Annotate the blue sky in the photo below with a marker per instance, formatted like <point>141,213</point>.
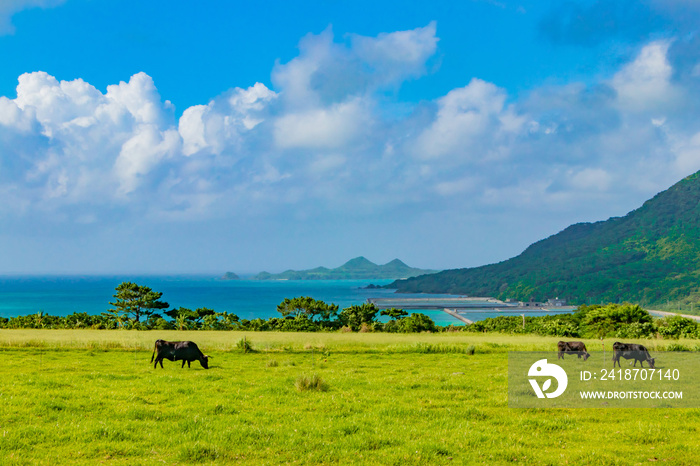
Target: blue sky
<point>174,137</point>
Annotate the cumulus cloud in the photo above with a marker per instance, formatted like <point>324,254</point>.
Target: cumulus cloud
<point>221,124</point>
<point>86,145</point>
<point>319,140</point>
<point>330,127</point>
<point>326,71</point>
<point>471,122</point>
<point>397,56</point>
<point>645,83</point>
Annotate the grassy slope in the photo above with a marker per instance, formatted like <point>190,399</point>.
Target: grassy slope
<point>648,256</point>
<point>385,405</point>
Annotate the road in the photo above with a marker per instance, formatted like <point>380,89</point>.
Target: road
<point>666,314</point>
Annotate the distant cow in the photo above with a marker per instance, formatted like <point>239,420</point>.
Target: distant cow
<point>185,351</point>
<point>573,347</point>
<point>631,351</point>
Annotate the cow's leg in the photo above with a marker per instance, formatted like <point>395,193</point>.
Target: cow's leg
<point>188,364</point>
<point>616,360</point>
<point>161,363</point>
<point>183,364</point>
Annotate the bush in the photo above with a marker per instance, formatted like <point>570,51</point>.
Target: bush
<point>604,320</point>
<point>305,383</point>
<point>245,346</point>
<point>637,330</point>
<point>354,316</point>
<point>678,327</point>
<point>471,349</point>
<point>272,363</point>
<point>417,322</point>
<point>676,347</point>
<point>427,348</point>
<point>558,328</point>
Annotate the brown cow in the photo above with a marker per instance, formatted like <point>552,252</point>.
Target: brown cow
<point>631,351</point>
<point>573,347</point>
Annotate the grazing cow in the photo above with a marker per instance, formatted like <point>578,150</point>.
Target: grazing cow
<point>573,347</point>
<point>631,351</point>
<point>185,351</point>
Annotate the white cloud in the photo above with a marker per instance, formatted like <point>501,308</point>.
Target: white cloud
<point>321,141</point>
<point>142,153</point>
<point>586,179</point>
<point>220,124</point>
<point>322,128</point>
<point>12,116</point>
<point>398,55</point>
<point>645,83</point>
<point>328,72</point>
<point>471,123</point>
<point>687,153</point>
<point>87,145</point>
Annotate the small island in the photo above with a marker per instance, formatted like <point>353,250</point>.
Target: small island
<point>358,268</point>
<point>230,276</point>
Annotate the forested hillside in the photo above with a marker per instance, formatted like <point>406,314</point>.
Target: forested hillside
<point>649,256</point>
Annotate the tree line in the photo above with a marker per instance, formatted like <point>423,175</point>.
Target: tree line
<point>594,321</point>
<point>138,307</point>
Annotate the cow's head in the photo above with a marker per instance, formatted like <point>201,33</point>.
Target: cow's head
<point>651,362</point>
<point>586,356</point>
<point>204,361</point>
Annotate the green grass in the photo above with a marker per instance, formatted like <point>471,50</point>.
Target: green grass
<point>91,397</point>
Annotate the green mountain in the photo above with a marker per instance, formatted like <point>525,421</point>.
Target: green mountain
<point>358,268</point>
<point>649,256</point>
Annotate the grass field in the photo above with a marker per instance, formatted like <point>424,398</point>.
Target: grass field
<point>92,397</point>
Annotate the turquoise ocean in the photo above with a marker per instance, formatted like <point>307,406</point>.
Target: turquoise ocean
<point>249,299</point>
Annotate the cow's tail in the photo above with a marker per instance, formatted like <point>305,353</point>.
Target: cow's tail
<point>154,351</point>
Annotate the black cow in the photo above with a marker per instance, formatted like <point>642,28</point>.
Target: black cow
<point>631,351</point>
<point>185,351</point>
<point>573,347</point>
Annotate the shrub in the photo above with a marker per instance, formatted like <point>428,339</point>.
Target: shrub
<point>676,347</point>
<point>637,330</point>
<point>272,363</point>
<point>305,383</point>
<point>299,323</point>
<point>604,320</point>
<point>354,316</point>
<point>558,328</point>
<point>428,348</point>
<point>471,349</point>
<point>678,327</point>
<point>417,322</point>
<point>245,346</point>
